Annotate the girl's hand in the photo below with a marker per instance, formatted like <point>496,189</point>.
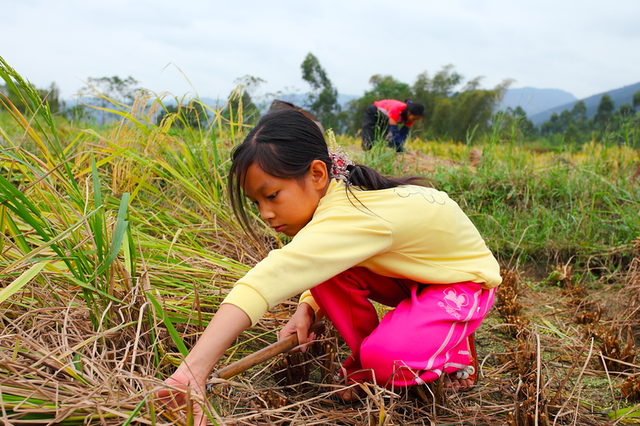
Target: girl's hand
<point>299,323</point>
<point>224,328</point>
<point>174,397</point>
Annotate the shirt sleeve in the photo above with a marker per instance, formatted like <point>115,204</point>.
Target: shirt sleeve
<point>330,244</point>
<point>307,298</point>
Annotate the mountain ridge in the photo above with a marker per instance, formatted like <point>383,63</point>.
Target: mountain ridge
<point>619,96</point>
<point>533,100</point>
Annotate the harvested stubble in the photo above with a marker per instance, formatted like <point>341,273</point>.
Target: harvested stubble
<point>507,303</point>
<point>631,388</point>
<point>616,357</point>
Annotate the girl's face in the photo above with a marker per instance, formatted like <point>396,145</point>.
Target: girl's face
<point>287,205</point>
<point>411,118</point>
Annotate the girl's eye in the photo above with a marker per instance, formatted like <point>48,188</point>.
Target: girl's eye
<point>272,196</point>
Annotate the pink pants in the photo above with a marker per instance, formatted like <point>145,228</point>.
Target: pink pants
<point>424,336</point>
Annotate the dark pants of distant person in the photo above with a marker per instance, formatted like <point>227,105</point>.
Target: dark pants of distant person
<point>374,126</point>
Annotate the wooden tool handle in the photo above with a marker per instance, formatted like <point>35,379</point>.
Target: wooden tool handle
<point>264,354</point>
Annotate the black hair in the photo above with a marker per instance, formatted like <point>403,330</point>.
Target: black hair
<point>283,144</point>
<point>414,108</point>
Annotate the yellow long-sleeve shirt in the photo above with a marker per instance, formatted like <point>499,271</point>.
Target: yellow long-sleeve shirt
<point>405,232</point>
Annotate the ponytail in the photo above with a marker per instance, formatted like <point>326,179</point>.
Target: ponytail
<point>370,180</point>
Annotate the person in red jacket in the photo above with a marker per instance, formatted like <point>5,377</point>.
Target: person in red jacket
<point>382,120</point>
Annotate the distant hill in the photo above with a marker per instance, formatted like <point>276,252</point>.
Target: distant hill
<point>620,96</point>
<point>534,101</point>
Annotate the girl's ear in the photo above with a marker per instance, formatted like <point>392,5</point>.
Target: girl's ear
<point>319,174</point>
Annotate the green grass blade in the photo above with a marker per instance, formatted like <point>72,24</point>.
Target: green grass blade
<point>20,282</point>
<point>118,233</point>
<point>630,414</point>
<point>50,243</point>
<point>98,220</point>
<point>12,193</point>
<point>170,328</point>
<point>135,411</point>
<point>15,233</point>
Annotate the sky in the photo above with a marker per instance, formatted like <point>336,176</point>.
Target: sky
<point>189,47</point>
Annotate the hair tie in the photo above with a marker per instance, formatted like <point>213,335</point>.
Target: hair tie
<point>339,164</point>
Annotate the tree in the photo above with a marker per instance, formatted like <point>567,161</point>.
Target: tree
<point>323,98</point>
<point>105,91</point>
<point>551,126</point>
<point>579,111</point>
<point>636,99</point>
<point>472,109</point>
<point>193,115</point>
<point>625,111</point>
<point>386,87</point>
<point>520,112</point>
<point>579,120</point>
<point>525,125</point>
<point>241,101</point>
<point>446,80</point>
<point>22,101</point>
<point>571,134</point>
<point>566,119</point>
<point>572,124</point>
<point>115,88</point>
<point>442,118</point>
<point>605,111</point>
<point>468,110</point>
<point>428,90</point>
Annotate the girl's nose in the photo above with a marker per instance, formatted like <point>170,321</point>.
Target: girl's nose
<point>266,213</point>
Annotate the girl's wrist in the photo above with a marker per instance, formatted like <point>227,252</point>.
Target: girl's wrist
<point>308,309</point>
<point>193,368</point>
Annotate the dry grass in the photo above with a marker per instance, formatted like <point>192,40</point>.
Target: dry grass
<point>552,369</point>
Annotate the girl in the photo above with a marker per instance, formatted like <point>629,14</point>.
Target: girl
<point>384,116</point>
<point>357,237</point>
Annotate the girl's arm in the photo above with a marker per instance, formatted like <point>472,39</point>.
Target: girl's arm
<point>224,328</point>
<point>399,135</point>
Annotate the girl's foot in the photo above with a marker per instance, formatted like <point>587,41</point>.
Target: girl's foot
<point>352,393</point>
<point>451,381</point>
<point>465,379</point>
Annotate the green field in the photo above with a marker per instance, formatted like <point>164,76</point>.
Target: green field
<point>117,245</point>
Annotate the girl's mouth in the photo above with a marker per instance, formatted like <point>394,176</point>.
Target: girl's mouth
<point>278,228</point>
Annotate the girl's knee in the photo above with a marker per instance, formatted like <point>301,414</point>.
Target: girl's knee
<point>382,359</point>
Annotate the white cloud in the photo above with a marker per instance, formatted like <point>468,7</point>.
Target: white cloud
<point>584,47</point>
